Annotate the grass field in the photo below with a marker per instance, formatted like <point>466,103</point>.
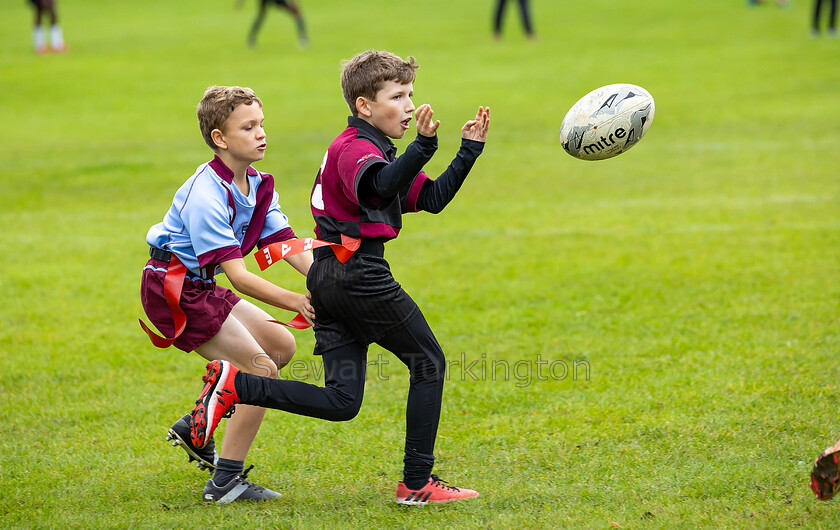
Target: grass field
<point>689,287</point>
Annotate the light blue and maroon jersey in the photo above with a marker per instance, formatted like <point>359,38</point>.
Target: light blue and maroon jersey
<point>211,221</point>
<point>335,202</point>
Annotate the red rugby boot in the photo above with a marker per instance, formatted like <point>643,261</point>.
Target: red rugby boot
<point>216,401</point>
<point>435,491</point>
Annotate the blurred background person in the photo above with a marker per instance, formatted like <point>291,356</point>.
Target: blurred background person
<point>39,37</point>
<point>832,18</point>
<point>524,14</point>
<point>290,6</point>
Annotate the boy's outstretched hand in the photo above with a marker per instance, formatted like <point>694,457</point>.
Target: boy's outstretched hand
<point>477,129</point>
<point>425,125</point>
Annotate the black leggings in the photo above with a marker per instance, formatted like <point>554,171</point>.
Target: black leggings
<point>832,15</point>
<point>523,11</point>
<point>344,378</point>
<point>42,7</point>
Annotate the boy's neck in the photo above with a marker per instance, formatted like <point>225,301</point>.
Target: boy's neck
<point>388,139</point>
<point>367,120</point>
<point>239,168</point>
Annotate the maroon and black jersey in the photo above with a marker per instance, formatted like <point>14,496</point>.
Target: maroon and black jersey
<point>340,202</point>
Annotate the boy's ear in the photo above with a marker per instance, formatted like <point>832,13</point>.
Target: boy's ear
<point>218,139</point>
<point>363,106</point>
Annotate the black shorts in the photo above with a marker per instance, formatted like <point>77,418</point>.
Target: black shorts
<point>278,3</point>
<point>358,301</point>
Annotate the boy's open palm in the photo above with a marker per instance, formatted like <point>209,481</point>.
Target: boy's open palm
<point>426,126</point>
<point>477,129</point>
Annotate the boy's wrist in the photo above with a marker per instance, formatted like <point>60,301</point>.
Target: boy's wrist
<point>476,146</point>
<point>427,144</point>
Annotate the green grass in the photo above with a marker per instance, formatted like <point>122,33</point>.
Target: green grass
<point>696,277</point>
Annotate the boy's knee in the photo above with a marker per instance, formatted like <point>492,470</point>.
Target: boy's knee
<point>283,350</point>
<point>431,367</point>
<point>347,412</point>
<point>262,365</point>
<point>346,404</point>
<point>284,355</point>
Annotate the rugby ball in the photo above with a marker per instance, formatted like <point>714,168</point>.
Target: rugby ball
<point>607,121</point>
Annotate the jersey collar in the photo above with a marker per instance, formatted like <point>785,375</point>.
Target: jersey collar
<point>374,136</point>
<point>224,172</point>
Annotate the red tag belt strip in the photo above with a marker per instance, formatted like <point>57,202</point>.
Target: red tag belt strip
<point>275,252</point>
<point>173,281</point>
<point>271,254</point>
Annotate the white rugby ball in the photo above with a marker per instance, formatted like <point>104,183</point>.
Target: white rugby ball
<point>607,121</point>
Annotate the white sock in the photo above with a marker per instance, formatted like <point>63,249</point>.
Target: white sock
<point>56,37</point>
<point>39,38</point>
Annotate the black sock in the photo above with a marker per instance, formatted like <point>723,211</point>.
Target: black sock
<point>415,482</point>
<point>226,470</point>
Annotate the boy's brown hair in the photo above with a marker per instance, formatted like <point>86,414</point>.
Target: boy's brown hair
<point>364,75</point>
<point>217,105</point>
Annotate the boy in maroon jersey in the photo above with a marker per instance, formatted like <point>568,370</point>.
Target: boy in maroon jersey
<point>361,191</point>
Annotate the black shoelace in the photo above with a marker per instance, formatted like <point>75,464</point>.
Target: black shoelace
<point>443,483</point>
<point>244,475</point>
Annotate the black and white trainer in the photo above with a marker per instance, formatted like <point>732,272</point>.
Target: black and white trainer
<point>238,489</point>
<point>179,434</point>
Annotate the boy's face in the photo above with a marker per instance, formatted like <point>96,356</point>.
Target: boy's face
<point>390,111</point>
<point>242,135</point>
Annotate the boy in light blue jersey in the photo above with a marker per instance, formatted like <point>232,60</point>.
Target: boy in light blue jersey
<point>221,213</point>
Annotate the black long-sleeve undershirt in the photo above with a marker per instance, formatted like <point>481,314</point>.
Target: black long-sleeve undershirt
<point>436,194</point>
<point>387,180</point>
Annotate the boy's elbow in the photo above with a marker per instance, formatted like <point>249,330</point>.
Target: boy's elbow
<point>428,204</point>
<point>237,274</point>
<point>240,283</point>
<point>235,281</point>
